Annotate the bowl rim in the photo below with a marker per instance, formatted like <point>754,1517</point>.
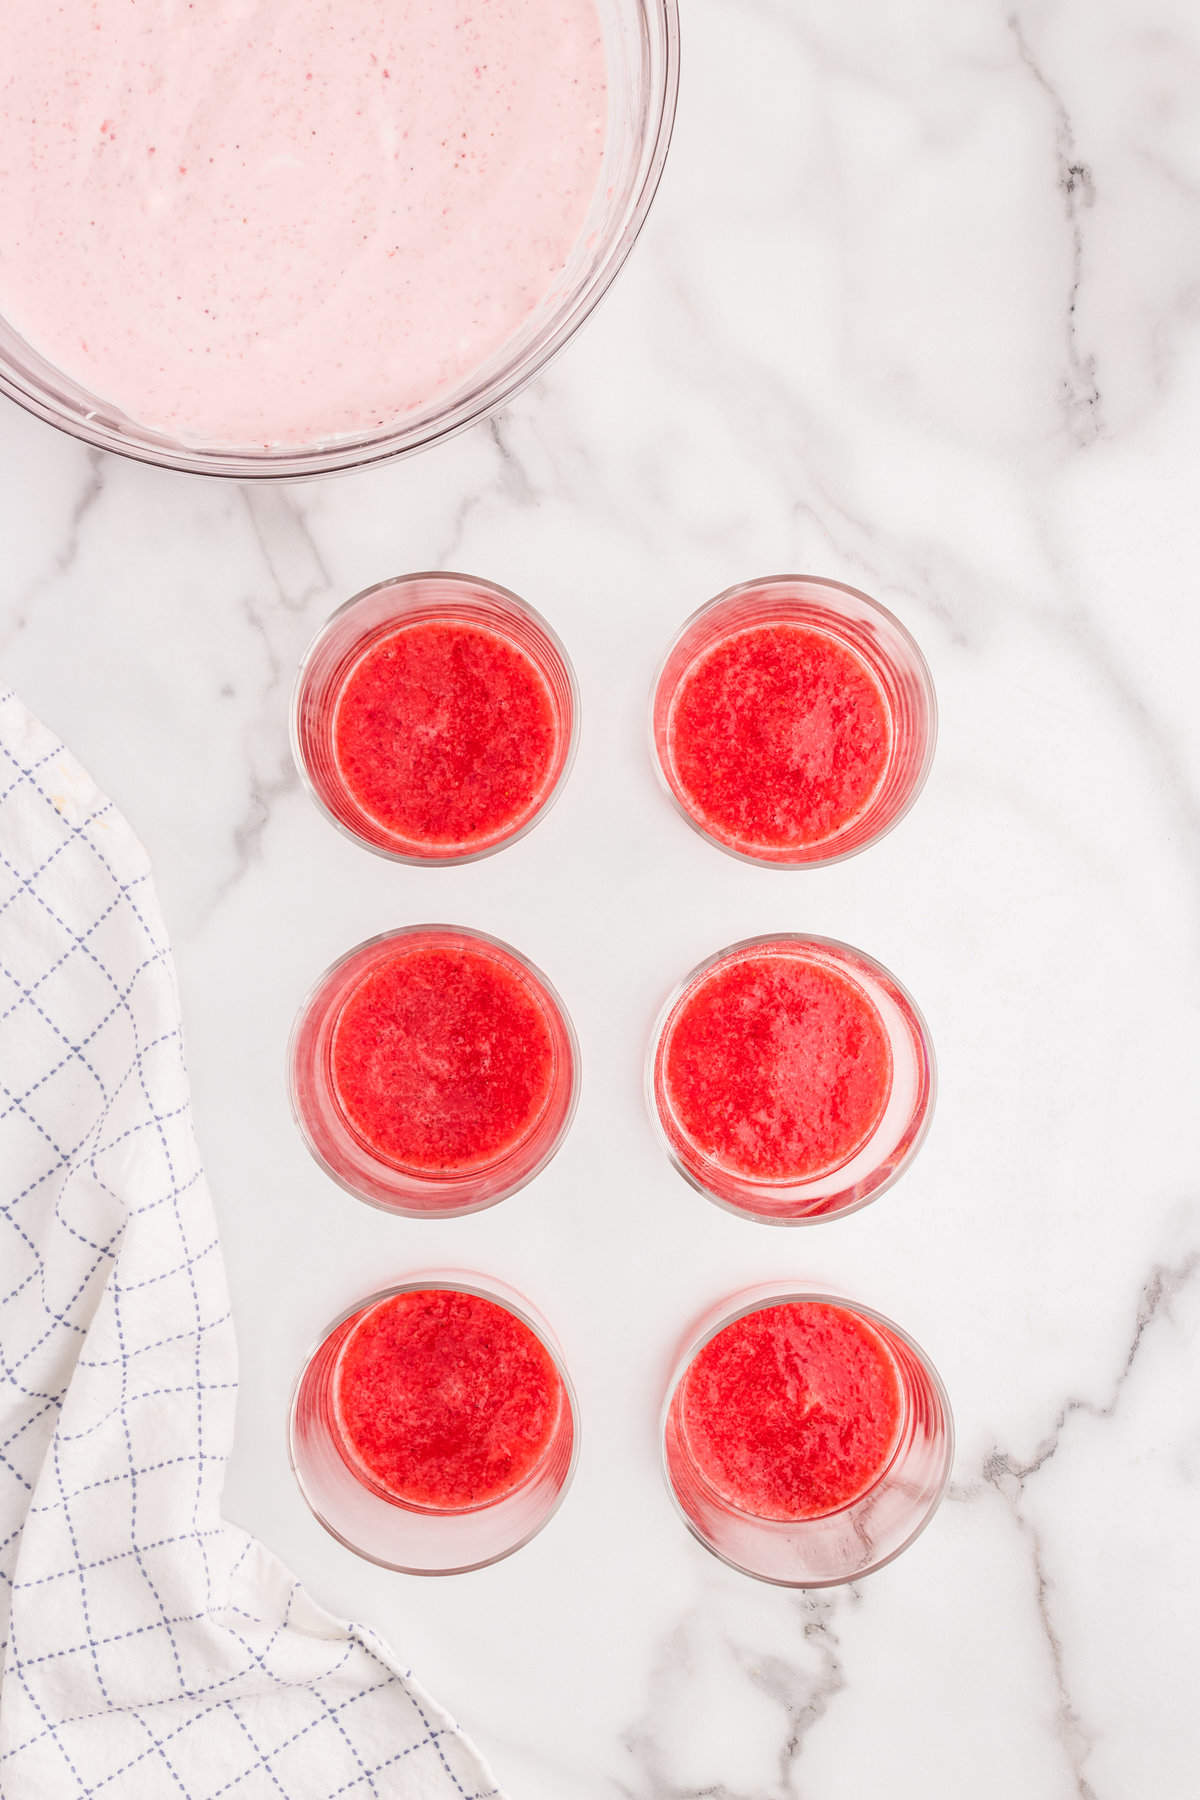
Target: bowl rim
<point>312,462</point>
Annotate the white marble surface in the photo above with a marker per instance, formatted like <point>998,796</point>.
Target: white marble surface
<point>917,309</point>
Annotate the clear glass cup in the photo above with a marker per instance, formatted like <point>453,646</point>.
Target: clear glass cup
<point>344,1154</point>
<point>875,637</point>
<point>877,1161</point>
<point>421,1540</point>
<point>858,1538</point>
<point>414,600</point>
<point>642,49</point>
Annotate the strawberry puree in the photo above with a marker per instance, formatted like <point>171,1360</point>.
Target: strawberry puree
<point>447,735</point>
<point>791,1412</point>
<point>778,737</point>
<point>442,1057</point>
<point>444,1399</point>
<point>774,1064</point>
<point>281,222</point>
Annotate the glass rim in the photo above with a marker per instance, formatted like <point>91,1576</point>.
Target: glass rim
<point>747,589</point>
<point>457,579</point>
<point>430,1184</point>
<point>740,1306</point>
<point>484,1288</point>
<point>840,950</point>
<point>309,462</point>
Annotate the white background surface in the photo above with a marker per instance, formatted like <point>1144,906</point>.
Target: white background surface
<point>917,310</point>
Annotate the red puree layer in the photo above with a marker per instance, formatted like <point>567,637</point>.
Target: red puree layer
<point>777,1066</point>
<point>445,1399</point>
<point>793,1411</point>
<point>446,734</point>
<point>779,736</point>
<point>442,1058</point>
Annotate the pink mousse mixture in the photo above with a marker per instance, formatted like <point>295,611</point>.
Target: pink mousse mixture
<point>280,222</point>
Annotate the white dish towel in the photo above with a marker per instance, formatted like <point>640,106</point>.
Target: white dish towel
<point>150,1649</point>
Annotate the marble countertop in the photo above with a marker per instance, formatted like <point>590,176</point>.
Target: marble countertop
<point>917,309</point>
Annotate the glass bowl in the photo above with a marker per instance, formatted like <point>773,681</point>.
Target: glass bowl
<point>642,45</point>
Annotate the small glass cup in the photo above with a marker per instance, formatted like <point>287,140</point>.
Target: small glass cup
<point>879,1159</point>
<point>343,1153</point>
<point>433,596</point>
<point>860,1537</point>
<point>876,638</point>
<point>423,1540</point>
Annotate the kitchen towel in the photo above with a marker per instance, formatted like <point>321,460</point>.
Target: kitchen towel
<point>151,1650</point>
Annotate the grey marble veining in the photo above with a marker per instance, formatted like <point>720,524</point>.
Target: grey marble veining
<point>918,308</point>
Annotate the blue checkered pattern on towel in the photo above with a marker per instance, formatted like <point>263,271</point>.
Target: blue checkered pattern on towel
<point>149,1648</point>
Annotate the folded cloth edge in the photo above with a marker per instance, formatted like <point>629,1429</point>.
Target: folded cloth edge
<point>148,1646</point>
